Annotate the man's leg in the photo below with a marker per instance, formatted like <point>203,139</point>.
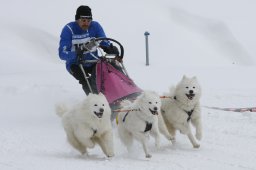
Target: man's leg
<point>76,71</point>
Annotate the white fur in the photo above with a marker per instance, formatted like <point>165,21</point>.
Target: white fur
<point>174,109</point>
<point>84,128</point>
<point>132,124</point>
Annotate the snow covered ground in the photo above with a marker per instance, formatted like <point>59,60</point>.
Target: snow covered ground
<point>214,41</point>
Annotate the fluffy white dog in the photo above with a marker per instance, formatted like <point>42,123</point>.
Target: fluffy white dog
<point>141,119</point>
<point>183,109</point>
<point>89,123</point>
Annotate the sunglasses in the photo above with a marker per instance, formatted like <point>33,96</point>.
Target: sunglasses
<point>85,19</point>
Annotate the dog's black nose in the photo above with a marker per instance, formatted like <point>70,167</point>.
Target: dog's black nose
<point>155,108</point>
<point>101,110</point>
<point>191,91</point>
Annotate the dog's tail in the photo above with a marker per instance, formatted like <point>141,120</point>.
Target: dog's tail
<point>61,109</point>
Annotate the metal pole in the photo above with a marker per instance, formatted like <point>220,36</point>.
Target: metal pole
<point>85,77</point>
<point>146,38</point>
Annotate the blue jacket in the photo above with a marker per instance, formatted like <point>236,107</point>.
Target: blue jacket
<point>71,35</point>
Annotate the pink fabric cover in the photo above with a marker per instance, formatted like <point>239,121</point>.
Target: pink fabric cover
<point>112,83</point>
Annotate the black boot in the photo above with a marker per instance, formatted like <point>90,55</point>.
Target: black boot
<point>93,87</point>
<point>86,90</point>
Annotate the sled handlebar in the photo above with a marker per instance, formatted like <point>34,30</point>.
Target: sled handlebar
<point>112,40</point>
<point>109,59</point>
<point>92,45</point>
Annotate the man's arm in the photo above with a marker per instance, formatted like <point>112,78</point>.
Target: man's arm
<point>65,45</point>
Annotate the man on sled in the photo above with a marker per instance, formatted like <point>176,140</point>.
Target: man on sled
<point>81,45</point>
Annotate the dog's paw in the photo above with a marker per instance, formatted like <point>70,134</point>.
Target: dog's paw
<point>198,136</point>
<point>183,132</point>
<point>83,151</point>
<point>110,155</point>
<point>148,156</point>
<point>172,139</point>
<point>90,144</point>
<point>196,145</point>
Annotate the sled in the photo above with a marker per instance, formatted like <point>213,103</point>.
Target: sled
<point>111,76</point>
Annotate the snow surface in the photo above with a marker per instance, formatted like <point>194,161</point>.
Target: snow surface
<point>213,40</point>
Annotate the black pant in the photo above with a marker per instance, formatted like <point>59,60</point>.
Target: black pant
<point>90,72</point>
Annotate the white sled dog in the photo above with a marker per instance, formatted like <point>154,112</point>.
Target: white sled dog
<point>183,109</point>
<point>89,123</point>
<point>141,119</point>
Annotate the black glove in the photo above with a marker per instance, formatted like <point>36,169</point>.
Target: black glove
<point>79,53</point>
<point>111,49</point>
<point>119,59</point>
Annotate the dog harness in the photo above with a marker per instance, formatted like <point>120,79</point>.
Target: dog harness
<point>148,125</point>
<point>94,131</point>
<point>125,116</point>
<point>189,113</point>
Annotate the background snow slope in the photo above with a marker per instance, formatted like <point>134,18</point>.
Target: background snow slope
<point>214,41</point>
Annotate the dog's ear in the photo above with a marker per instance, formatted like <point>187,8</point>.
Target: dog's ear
<point>194,78</point>
<point>100,94</point>
<point>184,77</point>
<point>155,93</point>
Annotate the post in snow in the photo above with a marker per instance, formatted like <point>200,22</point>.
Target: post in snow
<point>146,38</point>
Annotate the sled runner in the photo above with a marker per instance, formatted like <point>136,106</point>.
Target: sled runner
<point>111,77</point>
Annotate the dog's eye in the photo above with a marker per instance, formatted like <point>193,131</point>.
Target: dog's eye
<point>193,87</point>
<point>95,105</point>
<point>187,87</point>
<point>103,105</point>
<point>150,102</point>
